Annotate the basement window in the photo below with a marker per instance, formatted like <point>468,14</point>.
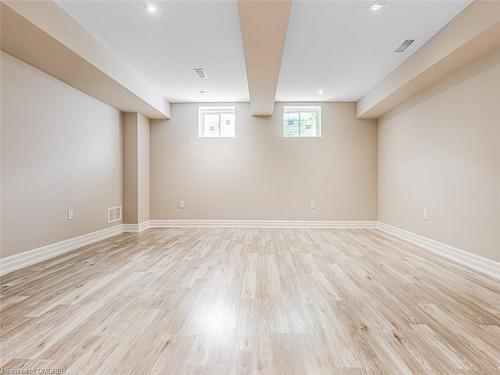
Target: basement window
<point>216,122</point>
<point>302,121</point>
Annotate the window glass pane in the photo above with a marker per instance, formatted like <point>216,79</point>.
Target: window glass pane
<point>210,125</point>
<point>302,121</point>
<point>216,121</point>
<point>291,124</point>
<point>227,125</point>
<point>308,124</point>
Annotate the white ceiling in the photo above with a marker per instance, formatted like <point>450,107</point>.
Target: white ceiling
<point>346,48</point>
<point>342,47</point>
<point>167,45</point>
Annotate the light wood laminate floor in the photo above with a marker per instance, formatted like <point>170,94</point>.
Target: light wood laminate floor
<point>256,301</point>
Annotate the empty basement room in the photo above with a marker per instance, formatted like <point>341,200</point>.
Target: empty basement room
<point>250,187</point>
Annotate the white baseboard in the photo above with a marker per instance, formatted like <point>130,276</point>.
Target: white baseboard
<point>476,262</point>
<point>40,254</point>
<point>136,228</point>
<point>259,224</point>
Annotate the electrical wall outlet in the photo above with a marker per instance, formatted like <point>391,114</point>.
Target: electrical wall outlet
<point>312,204</point>
<point>426,214</point>
<point>181,204</point>
<point>69,214</point>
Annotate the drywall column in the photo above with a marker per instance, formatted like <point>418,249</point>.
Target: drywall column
<point>135,168</point>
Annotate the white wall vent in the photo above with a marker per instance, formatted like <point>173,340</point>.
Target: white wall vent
<point>404,45</point>
<point>201,73</point>
<point>114,214</point>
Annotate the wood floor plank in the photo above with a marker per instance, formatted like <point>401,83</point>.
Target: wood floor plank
<point>250,301</point>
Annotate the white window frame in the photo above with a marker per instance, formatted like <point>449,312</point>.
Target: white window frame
<point>215,110</point>
<point>299,109</point>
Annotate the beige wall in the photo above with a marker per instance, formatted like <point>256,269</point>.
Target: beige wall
<point>440,151</point>
<point>135,168</point>
<point>261,175</point>
<point>60,149</point>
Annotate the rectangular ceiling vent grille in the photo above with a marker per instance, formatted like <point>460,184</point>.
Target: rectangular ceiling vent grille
<point>201,73</point>
<point>405,45</point>
<point>114,214</point>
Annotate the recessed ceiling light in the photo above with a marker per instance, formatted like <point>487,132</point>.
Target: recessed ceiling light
<point>203,91</point>
<point>320,91</point>
<point>151,8</point>
<point>377,5</point>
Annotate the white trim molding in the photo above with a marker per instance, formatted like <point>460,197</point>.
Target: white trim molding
<point>260,224</point>
<point>476,262</point>
<point>27,258</point>
<point>40,254</point>
<point>137,228</point>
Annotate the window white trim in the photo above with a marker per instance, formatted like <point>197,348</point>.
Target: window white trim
<point>301,109</point>
<point>215,110</point>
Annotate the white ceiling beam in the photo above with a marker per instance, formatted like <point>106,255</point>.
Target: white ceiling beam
<point>263,30</point>
<point>41,34</point>
<point>471,34</point>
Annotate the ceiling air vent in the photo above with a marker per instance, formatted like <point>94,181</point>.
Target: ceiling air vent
<point>201,73</point>
<point>404,45</point>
